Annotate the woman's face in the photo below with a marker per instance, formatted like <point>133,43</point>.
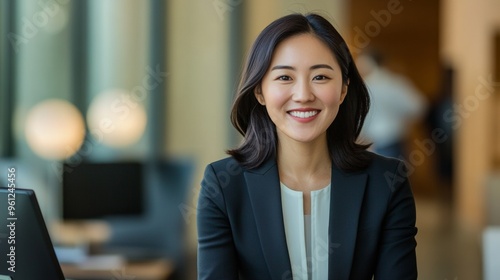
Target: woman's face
<point>302,89</point>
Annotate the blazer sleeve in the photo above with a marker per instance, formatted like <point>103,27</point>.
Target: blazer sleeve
<point>216,252</point>
<point>397,258</point>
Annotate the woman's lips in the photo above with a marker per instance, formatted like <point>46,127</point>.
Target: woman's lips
<point>304,115</point>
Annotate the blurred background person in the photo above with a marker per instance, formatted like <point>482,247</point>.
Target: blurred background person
<point>395,104</point>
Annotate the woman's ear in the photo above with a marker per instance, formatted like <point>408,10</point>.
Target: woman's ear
<point>258,95</point>
<point>343,94</point>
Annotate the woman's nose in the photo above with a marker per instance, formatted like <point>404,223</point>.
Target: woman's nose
<point>302,92</point>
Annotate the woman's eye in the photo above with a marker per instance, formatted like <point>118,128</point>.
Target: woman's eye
<point>320,78</point>
<point>284,78</point>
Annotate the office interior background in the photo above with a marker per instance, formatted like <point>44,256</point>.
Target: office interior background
<point>151,82</point>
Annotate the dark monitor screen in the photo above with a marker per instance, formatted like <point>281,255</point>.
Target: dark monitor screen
<point>100,190</point>
<point>26,250</point>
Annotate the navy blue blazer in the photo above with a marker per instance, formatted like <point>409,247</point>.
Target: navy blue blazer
<point>371,229</point>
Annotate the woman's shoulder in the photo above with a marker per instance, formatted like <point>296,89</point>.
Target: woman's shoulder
<point>387,170</point>
<point>226,166</point>
<point>226,162</point>
<point>382,163</point>
<point>233,166</point>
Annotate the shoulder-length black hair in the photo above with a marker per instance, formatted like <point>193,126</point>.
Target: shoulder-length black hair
<point>252,120</point>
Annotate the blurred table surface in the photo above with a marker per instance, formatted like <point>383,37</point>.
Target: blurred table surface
<point>159,269</point>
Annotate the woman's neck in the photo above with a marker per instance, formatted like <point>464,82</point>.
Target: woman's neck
<point>304,165</point>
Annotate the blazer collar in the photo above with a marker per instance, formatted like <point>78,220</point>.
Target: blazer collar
<point>347,194</point>
<point>265,196</point>
<point>347,191</point>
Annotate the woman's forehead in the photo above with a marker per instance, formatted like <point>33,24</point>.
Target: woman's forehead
<point>302,50</point>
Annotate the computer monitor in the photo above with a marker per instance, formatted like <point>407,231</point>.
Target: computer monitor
<point>26,251</point>
<point>101,190</point>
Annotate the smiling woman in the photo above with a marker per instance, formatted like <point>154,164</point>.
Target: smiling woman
<point>300,198</point>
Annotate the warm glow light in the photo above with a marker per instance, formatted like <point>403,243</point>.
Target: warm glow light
<point>54,129</point>
<point>117,118</point>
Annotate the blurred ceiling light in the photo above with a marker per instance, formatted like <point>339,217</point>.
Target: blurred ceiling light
<point>54,129</point>
<point>117,118</point>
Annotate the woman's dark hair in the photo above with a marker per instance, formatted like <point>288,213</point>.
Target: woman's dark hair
<point>252,120</point>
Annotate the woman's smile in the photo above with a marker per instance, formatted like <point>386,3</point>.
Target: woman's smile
<point>304,115</point>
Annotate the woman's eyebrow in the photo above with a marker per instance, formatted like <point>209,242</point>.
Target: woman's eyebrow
<point>317,66</point>
<point>278,67</point>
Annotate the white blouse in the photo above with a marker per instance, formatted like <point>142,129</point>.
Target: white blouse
<point>307,235</point>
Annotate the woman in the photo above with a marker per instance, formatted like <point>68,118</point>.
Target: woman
<point>300,199</point>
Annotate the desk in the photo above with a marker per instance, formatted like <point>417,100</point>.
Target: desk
<point>148,270</point>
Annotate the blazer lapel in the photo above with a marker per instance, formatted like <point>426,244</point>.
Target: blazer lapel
<point>265,195</point>
<point>345,204</point>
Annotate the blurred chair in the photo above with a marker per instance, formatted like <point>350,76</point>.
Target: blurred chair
<point>161,231</point>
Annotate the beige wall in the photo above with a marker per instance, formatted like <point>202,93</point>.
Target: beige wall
<point>197,84</point>
<point>467,42</point>
<point>197,101</point>
<point>259,13</point>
